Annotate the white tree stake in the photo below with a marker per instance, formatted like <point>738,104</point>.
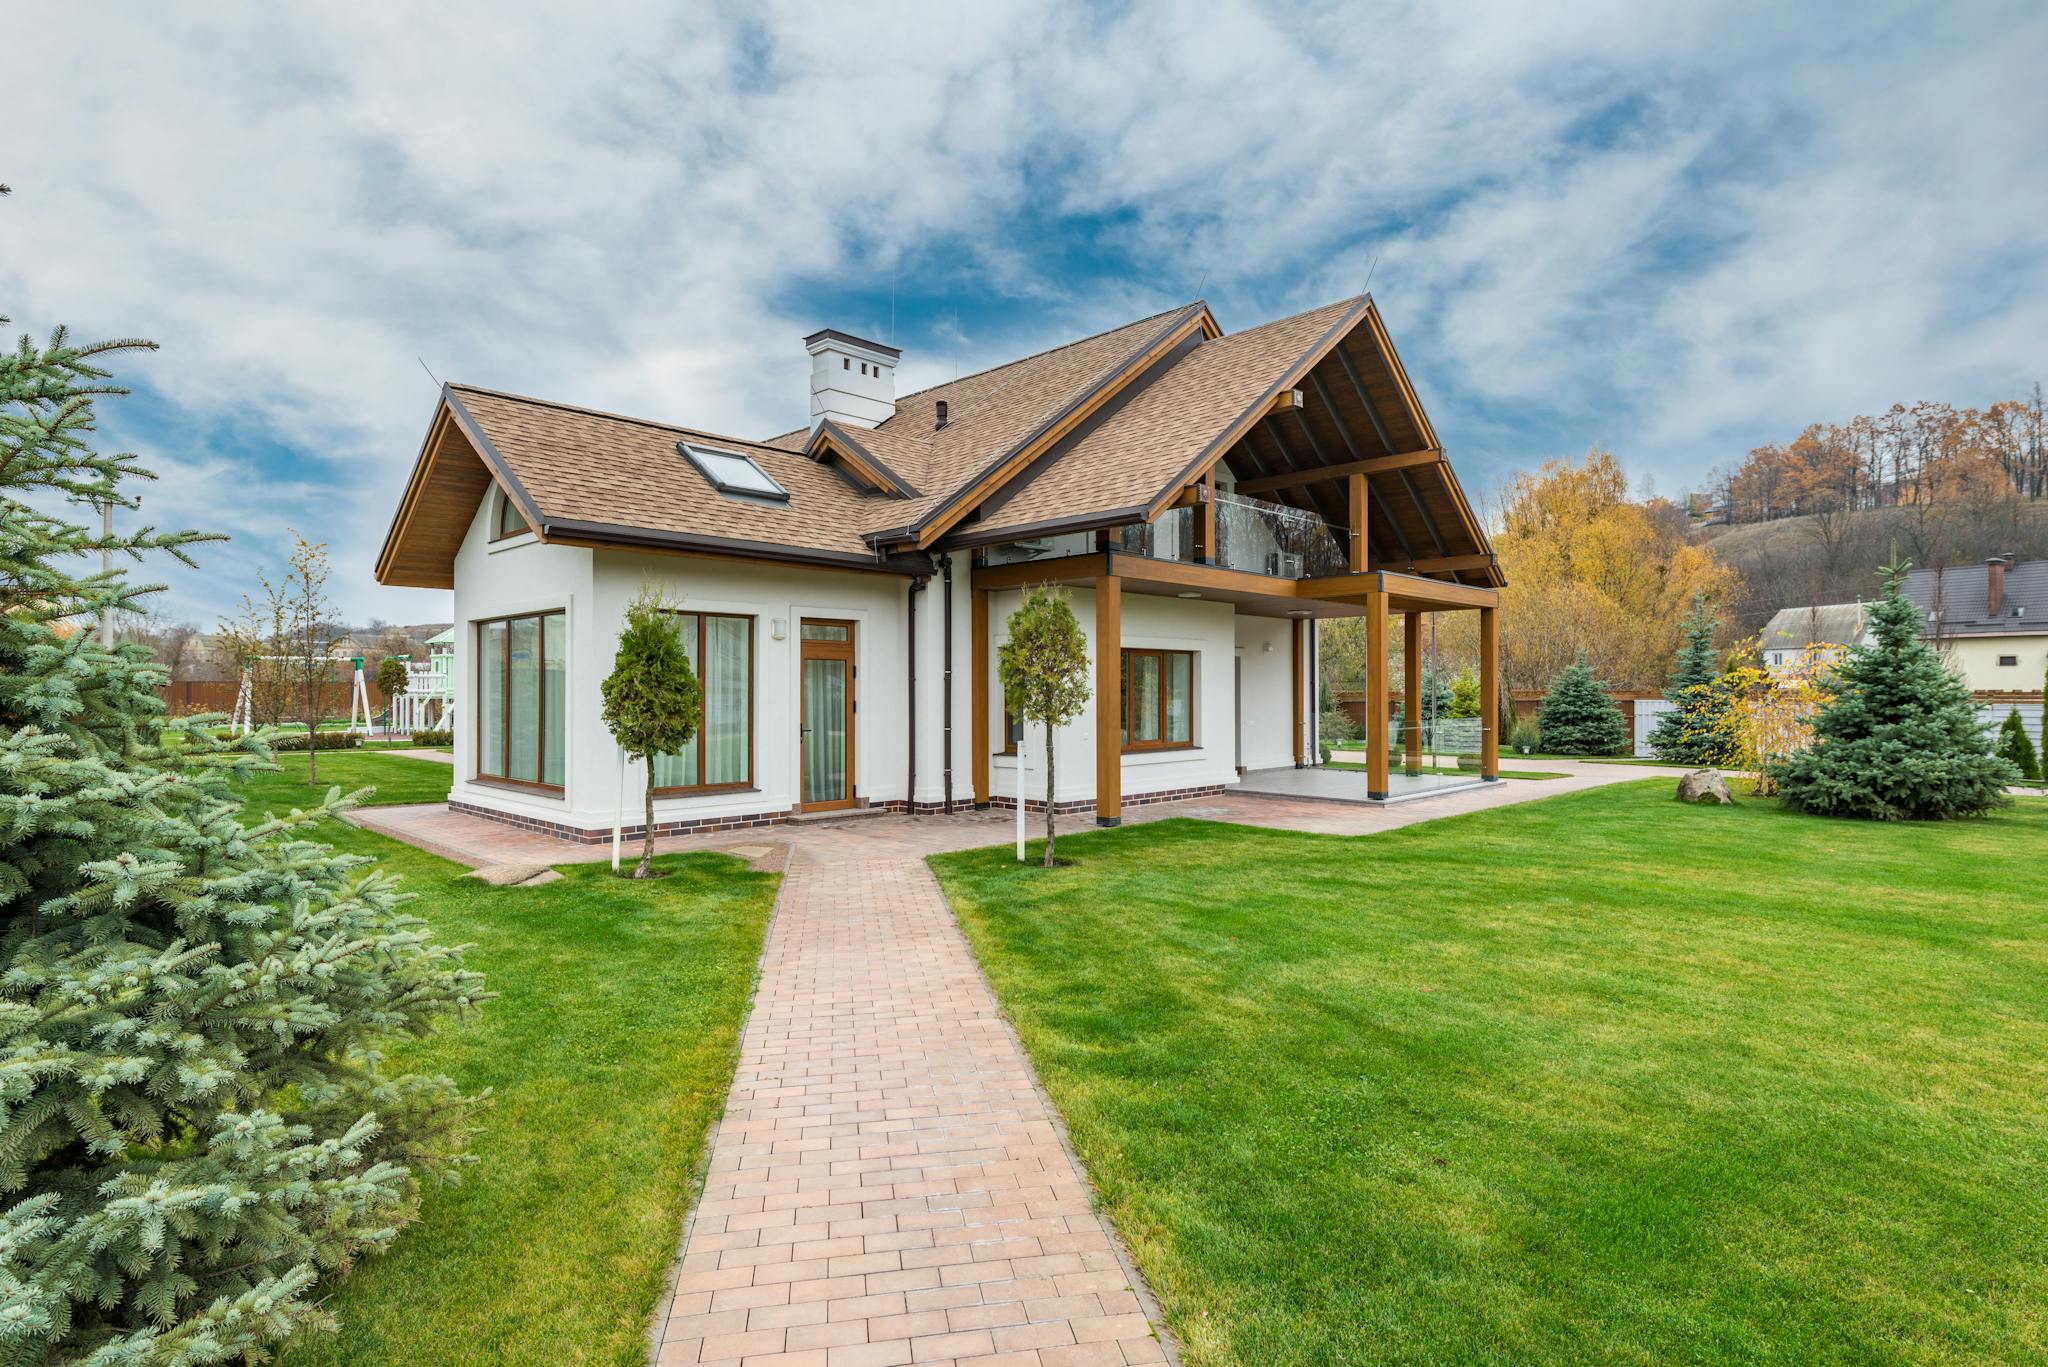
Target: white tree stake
<point>619,810</point>
<point>1023,749</point>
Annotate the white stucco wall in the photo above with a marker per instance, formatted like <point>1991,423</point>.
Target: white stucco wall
<point>592,589</point>
<point>1976,659</point>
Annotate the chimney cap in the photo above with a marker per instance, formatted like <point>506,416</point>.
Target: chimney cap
<point>835,335</point>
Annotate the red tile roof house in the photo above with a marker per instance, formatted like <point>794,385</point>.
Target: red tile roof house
<point>1205,497</point>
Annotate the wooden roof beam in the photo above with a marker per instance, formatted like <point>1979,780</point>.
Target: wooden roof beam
<point>1371,465</point>
<point>1358,387</point>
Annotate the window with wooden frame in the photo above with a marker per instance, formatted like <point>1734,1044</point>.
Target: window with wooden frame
<point>1013,727</point>
<point>1159,699</point>
<point>511,522</point>
<point>720,757</point>
<point>521,692</point>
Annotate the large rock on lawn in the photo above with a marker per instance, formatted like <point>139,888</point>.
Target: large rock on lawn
<point>1704,785</point>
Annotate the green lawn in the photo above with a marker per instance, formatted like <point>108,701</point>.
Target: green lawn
<point>396,779</point>
<point>608,1051</point>
<point>1600,1078</point>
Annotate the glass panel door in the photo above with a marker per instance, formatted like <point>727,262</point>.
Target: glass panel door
<point>825,741</point>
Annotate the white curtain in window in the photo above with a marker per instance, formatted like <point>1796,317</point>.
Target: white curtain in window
<point>727,660</point>
<point>680,770</point>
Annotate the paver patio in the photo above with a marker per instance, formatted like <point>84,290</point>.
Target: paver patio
<point>889,1184</point>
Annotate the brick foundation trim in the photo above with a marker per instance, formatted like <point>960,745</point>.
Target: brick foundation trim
<point>584,835</point>
<point>1087,804</point>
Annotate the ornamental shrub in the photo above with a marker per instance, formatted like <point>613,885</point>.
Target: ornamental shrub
<point>321,740</point>
<point>196,1118</point>
<point>1901,739</point>
<point>430,736</point>
<point>1578,717</point>
<point>2016,747</point>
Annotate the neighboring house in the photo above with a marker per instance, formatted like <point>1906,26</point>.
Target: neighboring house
<point>1792,630</point>
<point>1989,621</point>
<point>1204,497</point>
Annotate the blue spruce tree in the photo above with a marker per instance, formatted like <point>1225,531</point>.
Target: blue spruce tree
<point>1901,740</point>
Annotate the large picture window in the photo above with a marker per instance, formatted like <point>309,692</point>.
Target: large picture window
<point>520,695</point>
<point>1159,699</point>
<point>721,650</point>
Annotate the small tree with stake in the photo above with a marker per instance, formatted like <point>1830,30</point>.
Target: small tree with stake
<point>652,700</point>
<point>1901,740</point>
<point>392,680</point>
<point>1044,669</point>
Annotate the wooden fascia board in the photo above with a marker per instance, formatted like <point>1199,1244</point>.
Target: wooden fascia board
<point>970,496</point>
<point>1411,589</point>
<point>1065,569</point>
<point>450,412</point>
<point>408,502</point>
<point>1220,447</point>
<point>494,460</point>
<point>1385,342</point>
<point>1444,564</point>
<point>831,438</point>
<point>1370,465</point>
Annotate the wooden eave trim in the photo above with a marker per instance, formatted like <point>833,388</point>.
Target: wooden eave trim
<point>1220,446</point>
<point>1370,465</point>
<point>1385,342</point>
<point>870,467</point>
<point>1410,588</point>
<point>451,411</point>
<point>964,500</point>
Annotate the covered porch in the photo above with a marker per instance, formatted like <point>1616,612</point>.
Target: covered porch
<point>1397,762</point>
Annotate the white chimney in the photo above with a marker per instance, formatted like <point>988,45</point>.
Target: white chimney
<point>853,382</point>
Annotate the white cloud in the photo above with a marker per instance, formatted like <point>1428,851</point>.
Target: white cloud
<point>1680,228</point>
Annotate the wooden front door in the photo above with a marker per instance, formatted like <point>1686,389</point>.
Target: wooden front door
<point>826,711</point>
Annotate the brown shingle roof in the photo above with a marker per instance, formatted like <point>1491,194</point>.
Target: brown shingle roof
<point>579,465</point>
<point>1129,459</point>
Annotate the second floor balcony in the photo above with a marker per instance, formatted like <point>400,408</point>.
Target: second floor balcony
<point>1251,535</point>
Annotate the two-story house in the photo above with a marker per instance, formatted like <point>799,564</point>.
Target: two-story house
<point>1204,497</point>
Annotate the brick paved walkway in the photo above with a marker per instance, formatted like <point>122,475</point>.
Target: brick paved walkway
<point>888,1184</point>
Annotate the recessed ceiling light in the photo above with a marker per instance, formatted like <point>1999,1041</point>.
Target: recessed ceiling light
<point>1187,595</point>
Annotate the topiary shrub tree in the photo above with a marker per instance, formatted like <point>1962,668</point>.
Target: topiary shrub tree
<point>1464,694</point>
<point>1692,732</point>
<point>196,1116</point>
<point>1044,670</point>
<point>1578,717</point>
<point>652,700</point>
<point>1901,739</point>
<point>2016,747</point>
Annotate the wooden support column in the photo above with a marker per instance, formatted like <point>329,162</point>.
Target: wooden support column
<point>1360,494</point>
<point>1411,693</point>
<point>1297,674</point>
<point>1489,693</point>
<point>979,731</point>
<point>1109,689</point>
<point>1205,520</point>
<point>1376,784</point>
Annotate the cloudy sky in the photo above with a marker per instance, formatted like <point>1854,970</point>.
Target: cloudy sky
<point>1677,230</point>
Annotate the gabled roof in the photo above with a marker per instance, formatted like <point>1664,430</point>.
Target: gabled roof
<point>1826,624</point>
<point>1960,596</point>
<point>1101,431</point>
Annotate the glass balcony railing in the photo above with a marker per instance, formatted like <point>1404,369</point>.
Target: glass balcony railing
<point>1251,535</point>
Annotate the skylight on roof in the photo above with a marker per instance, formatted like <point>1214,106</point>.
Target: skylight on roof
<point>732,473</point>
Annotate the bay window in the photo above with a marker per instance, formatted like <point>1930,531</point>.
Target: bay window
<point>721,754</point>
<point>521,694</point>
<point>1159,699</point>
